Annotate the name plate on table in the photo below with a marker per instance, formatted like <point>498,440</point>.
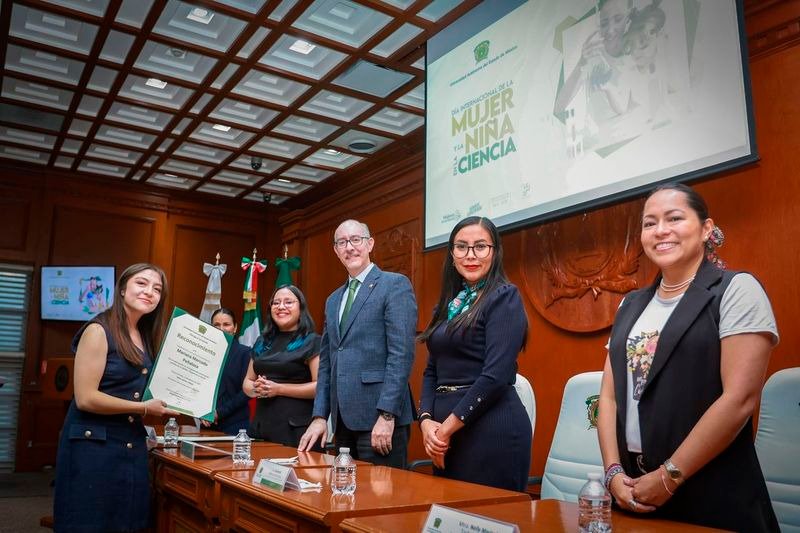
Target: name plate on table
<point>446,520</point>
<point>193,450</point>
<point>279,477</point>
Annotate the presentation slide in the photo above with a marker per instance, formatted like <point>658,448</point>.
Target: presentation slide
<point>76,292</point>
<point>560,106</point>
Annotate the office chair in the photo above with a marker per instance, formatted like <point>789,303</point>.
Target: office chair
<point>575,450</point>
<point>778,445</point>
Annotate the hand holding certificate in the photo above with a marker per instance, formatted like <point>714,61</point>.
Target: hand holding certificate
<point>187,371</point>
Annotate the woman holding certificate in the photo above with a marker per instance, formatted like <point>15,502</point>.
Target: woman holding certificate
<point>283,370</point>
<point>473,423</point>
<point>101,470</point>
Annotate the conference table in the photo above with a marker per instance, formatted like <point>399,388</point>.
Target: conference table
<point>210,493</point>
<point>552,516</point>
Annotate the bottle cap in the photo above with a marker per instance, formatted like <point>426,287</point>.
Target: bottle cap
<point>344,450</point>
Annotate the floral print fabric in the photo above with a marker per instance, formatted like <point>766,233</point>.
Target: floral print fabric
<point>639,352</point>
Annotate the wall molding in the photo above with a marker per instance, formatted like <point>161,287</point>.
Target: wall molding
<point>774,39</point>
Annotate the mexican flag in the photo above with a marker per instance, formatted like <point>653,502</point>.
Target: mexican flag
<point>251,320</point>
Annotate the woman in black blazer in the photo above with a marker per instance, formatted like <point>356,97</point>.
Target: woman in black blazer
<point>686,364</point>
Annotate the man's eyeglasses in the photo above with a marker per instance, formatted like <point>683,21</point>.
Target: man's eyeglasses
<point>481,250</point>
<point>285,303</point>
<point>355,240</point>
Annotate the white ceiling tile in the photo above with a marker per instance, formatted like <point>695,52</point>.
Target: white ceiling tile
<point>283,8</point>
<point>314,65</point>
<point>172,95</point>
<point>279,147</point>
<point>269,88</point>
<point>117,46</point>
<point>303,172</point>
<point>95,167</point>
<point>102,79</point>
<point>174,62</point>
<point>224,76</point>
<point>305,128</point>
<point>52,29</point>
<point>335,105</point>
<point>110,153</point>
<point>133,12</point>
<point>292,188</point>
<point>32,156</point>
<point>220,189</point>
<point>394,121</point>
<point>201,103</point>
<point>438,8</point>
<point>27,137</point>
<point>338,160</point>
<point>71,146</point>
<point>64,162</point>
<point>117,135</point>
<point>90,105</point>
<point>204,153</point>
<point>199,26</point>
<point>182,125</point>
<point>174,182</point>
<point>342,21</point>
<point>79,127</point>
<point>251,6</point>
<point>391,44</point>
<point>138,116</point>
<point>372,79</point>
<point>233,137</point>
<point>237,178</point>
<point>43,64</point>
<point>95,8</point>
<point>415,97</point>
<point>256,39</point>
<point>243,113</point>
<point>36,93</point>
<point>185,167</point>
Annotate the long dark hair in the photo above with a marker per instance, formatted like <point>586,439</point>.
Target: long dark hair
<point>151,326</point>
<point>304,326</point>
<point>452,282</point>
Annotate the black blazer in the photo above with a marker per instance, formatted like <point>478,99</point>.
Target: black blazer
<point>684,380</point>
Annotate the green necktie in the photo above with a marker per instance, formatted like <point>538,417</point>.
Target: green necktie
<point>351,295</point>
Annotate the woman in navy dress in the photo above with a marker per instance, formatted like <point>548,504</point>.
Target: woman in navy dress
<point>102,480</point>
<point>233,412</point>
<point>283,370</point>
<point>474,425</point>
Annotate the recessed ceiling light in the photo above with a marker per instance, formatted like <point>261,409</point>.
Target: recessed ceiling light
<point>155,82</point>
<point>176,52</point>
<point>361,145</point>
<point>331,151</point>
<point>284,180</point>
<point>302,47</point>
<point>200,15</point>
<point>221,127</point>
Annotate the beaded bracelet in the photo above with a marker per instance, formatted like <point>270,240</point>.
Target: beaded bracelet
<point>612,471</point>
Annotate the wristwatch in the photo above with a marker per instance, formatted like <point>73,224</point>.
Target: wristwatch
<point>673,471</point>
<point>386,416</point>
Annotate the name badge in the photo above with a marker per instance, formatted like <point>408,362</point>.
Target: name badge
<point>446,520</point>
<point>275,476</point>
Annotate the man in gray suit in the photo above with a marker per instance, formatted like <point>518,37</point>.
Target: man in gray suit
<point>365,357</point>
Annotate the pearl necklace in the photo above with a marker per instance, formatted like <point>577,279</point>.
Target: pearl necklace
<point>676,287</point>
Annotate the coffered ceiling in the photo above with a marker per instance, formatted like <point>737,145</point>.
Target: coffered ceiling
<point>193,95</point>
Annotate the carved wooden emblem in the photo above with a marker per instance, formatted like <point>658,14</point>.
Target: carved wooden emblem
<point>577,270</point>
<point>396,249</point>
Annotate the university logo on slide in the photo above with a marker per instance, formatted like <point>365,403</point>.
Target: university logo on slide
<point>481,51</point>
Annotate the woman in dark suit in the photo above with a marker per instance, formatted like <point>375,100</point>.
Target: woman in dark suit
<point>474,425</point>
<point>232,413</point>
<point>686,364</point>
<point>102,479</point>
<point>283,370</point>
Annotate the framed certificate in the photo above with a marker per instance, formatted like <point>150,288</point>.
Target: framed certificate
<point>187,370</point>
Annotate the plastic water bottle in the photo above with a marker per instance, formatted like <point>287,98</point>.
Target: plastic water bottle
<point>241,448</point>
<point>171,432</point>
<point>343,473</point>
<point>594,506</point>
